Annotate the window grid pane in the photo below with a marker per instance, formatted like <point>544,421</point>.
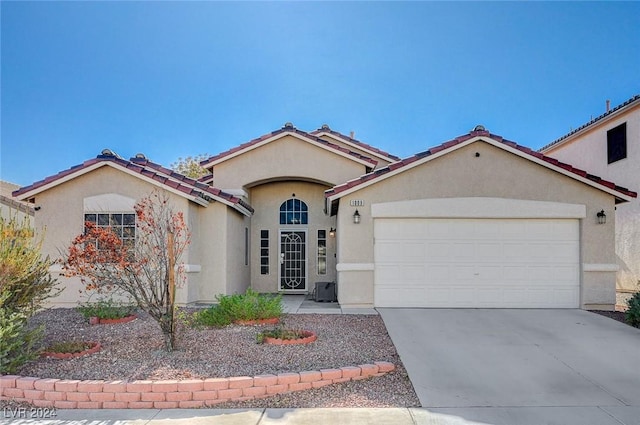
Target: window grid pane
<point>322,252</point>
<point>122,225</point>
<point>294,211</point>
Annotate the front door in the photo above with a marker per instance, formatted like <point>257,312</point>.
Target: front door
<point>293,260</point>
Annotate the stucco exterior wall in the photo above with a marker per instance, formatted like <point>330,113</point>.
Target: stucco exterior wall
<point>288,157</point>
<point>494,173</point>
<point>588,150</point>
<point>238,277</point>
<point>266,199</point>
<point>61,217</point>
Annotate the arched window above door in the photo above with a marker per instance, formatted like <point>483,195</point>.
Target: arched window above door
<point>294,211</point>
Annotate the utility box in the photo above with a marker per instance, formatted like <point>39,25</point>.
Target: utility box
<point>326,292</point>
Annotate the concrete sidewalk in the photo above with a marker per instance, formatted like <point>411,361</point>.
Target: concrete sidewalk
<point>342,416</point>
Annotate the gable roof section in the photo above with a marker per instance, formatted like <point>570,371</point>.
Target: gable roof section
<point>635,100</point>
<point>146,170</point>
<point>621,194</point>
<point>325,130</point>
<point>288,129</point>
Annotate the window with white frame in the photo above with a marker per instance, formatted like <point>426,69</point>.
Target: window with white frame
<point>122,224</point>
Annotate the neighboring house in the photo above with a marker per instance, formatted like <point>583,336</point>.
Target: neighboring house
<point>11,208</point>
<point>476,222</point>
<point>609,146</point>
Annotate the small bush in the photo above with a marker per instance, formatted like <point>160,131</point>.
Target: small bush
<point>69,347</point>
<point>632,316</point>
<point>25,285</point>
<point>106,309</point>
<point>248,306</point>
<point>212,317</point>
<point>280,333</point>
<point>17,341</point>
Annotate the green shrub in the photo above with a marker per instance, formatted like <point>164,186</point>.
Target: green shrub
<point>632,316</point>
<point>248,306</point>
<point>17,341</point>
<point>25,284</point>
<point>211,317</point>
<point>106,309</point>
<point>69,347</point>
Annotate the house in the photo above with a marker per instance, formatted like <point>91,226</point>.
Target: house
<point>478,221</point>
<point>609,146</point>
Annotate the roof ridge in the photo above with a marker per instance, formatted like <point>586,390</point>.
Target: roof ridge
<point>460,139</point>
<point>148,169</point>
<point>592,121</point>
<point>326,129</point>
<point>288,128</point>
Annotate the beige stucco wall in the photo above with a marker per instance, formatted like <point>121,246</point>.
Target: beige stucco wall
<point>266,199</point>
<point>61,217</point>
<point>588,150</point>
<point>288,157</point>
<point>495,173</point>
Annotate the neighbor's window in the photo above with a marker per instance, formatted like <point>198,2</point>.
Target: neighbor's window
<point>617,143</point>
<point>122,224</point>
<point>322,252</point>
<point>264,252</point>
<point>294,211</point>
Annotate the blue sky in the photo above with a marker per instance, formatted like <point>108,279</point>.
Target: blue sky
<point>174,79</point>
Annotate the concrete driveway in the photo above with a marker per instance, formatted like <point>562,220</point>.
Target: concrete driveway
<point>519,366</point>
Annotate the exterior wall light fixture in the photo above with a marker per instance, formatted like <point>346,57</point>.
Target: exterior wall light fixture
<point>332,232</point>
<point>356,217</point>
<point>602,217</point>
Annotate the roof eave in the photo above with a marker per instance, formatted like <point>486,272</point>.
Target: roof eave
<point>279,135</point>
<point>598,121</point>
<point>344,139</point>
<point>620,197</point>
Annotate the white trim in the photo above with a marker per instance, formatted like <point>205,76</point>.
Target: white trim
<point>355,145</point>
<point>477,208</point>
<point>355,267</point>
<point>280,136</point>
<point>595,267</point>
<point>191,268</point>
<point>492,142</point>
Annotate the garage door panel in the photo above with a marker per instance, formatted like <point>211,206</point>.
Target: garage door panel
<point>477,263</point>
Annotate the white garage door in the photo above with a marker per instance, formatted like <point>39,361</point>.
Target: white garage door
<point>483,263</point>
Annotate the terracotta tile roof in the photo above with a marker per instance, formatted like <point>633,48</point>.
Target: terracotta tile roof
<point>458,140</point>
<point>325,129</point>
<point>634,99</point>
<point>288,128</point>
<point>148,169</point>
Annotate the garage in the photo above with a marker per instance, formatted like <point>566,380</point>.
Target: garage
<point>477,253</point>
<point>477,222</point>
<point>471,262</point>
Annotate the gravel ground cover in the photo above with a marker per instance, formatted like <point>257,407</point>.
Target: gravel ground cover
<point>134,350</point>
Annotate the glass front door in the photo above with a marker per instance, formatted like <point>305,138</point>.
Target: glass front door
<point>293,260</point>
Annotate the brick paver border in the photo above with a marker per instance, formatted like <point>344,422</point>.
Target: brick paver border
<point>170,394</point>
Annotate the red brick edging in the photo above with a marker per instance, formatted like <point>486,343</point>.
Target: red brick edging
<point>95,347</point>
<point>192,393</point>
